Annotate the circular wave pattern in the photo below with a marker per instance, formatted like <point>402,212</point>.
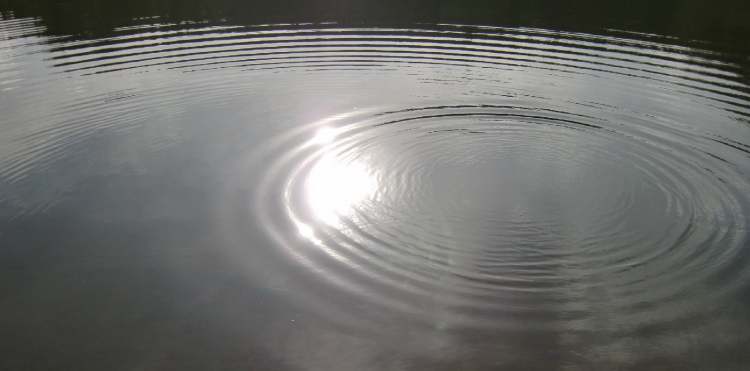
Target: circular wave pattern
<point>501,213</point>
<point>533,179</point>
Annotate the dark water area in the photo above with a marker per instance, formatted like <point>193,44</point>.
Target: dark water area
<point>361,185</point>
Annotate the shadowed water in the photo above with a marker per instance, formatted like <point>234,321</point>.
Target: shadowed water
<point>327,195</point>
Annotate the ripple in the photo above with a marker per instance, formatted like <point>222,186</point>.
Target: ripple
<point>571,177</point>
<point>510,212</point>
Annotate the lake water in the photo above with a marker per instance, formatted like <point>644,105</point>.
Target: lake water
<point>211,187</point>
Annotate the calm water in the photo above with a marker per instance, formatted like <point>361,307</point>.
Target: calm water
<point>188,188</point>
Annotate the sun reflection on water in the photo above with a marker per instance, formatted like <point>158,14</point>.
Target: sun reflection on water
<point>335,186</point>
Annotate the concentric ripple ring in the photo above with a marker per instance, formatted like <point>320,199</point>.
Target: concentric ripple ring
<point>510,212</point>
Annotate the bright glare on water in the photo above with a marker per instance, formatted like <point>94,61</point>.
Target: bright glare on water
<point>335,188</point>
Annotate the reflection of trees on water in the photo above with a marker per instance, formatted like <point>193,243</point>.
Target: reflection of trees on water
<point>721,22</point>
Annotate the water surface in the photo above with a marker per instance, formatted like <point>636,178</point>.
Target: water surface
<point>328,195</point>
